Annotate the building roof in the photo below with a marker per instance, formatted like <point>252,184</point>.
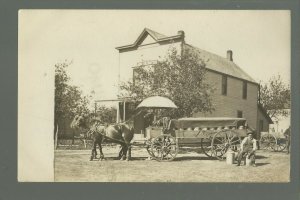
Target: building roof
<point>213,62</point>
<point>155,35</point>
<point>265,113</point>
<point>220,64</point>
<point>158,37</point>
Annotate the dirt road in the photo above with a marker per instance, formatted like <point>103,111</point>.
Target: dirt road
<point>189,166</point>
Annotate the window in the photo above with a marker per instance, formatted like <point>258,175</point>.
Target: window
<point>244,90</point>
<point>240,114</point>
<point>224,85</point>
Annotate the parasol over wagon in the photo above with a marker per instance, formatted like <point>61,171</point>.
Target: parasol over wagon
<point>157,102</point>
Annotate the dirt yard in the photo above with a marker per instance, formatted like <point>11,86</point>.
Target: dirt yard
<point>189,166</point>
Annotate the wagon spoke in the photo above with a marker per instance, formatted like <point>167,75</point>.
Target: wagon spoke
<point>235,141</point>
<point>167,148</point>
<point>220,147</point>
<point>268,141</point>
<point>222,141</point>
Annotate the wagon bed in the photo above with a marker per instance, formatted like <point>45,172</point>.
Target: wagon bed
<point>215,136</point>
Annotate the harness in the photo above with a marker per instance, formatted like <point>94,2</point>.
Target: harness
<point>103,131</point>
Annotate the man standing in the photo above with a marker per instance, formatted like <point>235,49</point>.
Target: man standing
<point>287,134</point>
<point>248,147</point>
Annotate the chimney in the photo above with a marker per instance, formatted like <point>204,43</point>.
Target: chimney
<point>229,55</point>
<point>181,33</point>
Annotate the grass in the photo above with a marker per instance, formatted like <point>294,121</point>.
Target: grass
<point>189,166</point>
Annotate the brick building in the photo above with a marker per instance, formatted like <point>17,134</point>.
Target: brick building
<point>236,93</point>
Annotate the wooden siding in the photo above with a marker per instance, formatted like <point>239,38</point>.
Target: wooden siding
<point>228,105</point>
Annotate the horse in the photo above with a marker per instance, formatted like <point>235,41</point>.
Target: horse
<point>120,133</point>
<point>116,133</point>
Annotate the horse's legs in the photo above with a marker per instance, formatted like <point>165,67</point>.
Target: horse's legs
<point>100,148</point>
<point>128,152</point>
<point>94,151</point>
<point>124,150</point>
<point>120,152</point>
<point>84,143</point>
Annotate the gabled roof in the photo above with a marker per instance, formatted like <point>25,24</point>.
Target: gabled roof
<point>265,113</point>
<point>213,62</point>
<point>220,64</point>
<point>158,37</point>
<point>155,35</point>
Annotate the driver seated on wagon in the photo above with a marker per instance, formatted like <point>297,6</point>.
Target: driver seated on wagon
<point>248,148</point>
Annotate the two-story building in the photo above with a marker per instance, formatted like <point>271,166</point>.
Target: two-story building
<point>236,93</point>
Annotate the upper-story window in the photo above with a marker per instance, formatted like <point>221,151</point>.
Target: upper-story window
<point>224,85</point>
<point>244,90</point>
<point>147,65</point>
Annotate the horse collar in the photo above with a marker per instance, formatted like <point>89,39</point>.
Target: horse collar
<point>120,127</point>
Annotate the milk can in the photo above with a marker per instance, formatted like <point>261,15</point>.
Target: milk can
<point>248,161</point>
<point>230,157</point>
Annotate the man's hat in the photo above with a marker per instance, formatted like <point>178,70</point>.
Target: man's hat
<point>250,131</point>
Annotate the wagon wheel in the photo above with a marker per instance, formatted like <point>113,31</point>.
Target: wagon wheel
<point>280,144</point>
<point>164,148</point>
<point>268,141</point>
<point>206,147</point>
<point>224,140</point>
<point>148,147</point>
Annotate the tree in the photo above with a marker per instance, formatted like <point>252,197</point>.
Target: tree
<point>69,99</point>
<point>180,77</point>
<point>107,115</point>
<point>275,97</point>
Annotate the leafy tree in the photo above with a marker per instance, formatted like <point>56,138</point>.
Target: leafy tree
<point>69,99</point>
<point>180,77</point>
<point>275,96</point>
<point>107,115</point>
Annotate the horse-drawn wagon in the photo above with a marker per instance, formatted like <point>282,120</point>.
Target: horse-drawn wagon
<point>274,141</point>
<point>214,135</point>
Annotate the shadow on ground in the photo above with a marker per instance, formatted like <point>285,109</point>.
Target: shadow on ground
<point>260,157</point>
<point>116,158</point>
<point>186,158</point>
<point>261,164</point>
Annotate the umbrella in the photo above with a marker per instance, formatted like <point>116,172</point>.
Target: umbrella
<point>157,102</point>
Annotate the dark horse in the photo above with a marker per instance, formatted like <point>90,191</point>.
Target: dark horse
<point>116,133</point>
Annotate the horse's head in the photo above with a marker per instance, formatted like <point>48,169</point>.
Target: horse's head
<point>78,122</point>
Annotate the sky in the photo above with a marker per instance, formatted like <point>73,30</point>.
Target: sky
<point>260,40</point>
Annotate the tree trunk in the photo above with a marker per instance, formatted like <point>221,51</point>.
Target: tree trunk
<point>56,137</point>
